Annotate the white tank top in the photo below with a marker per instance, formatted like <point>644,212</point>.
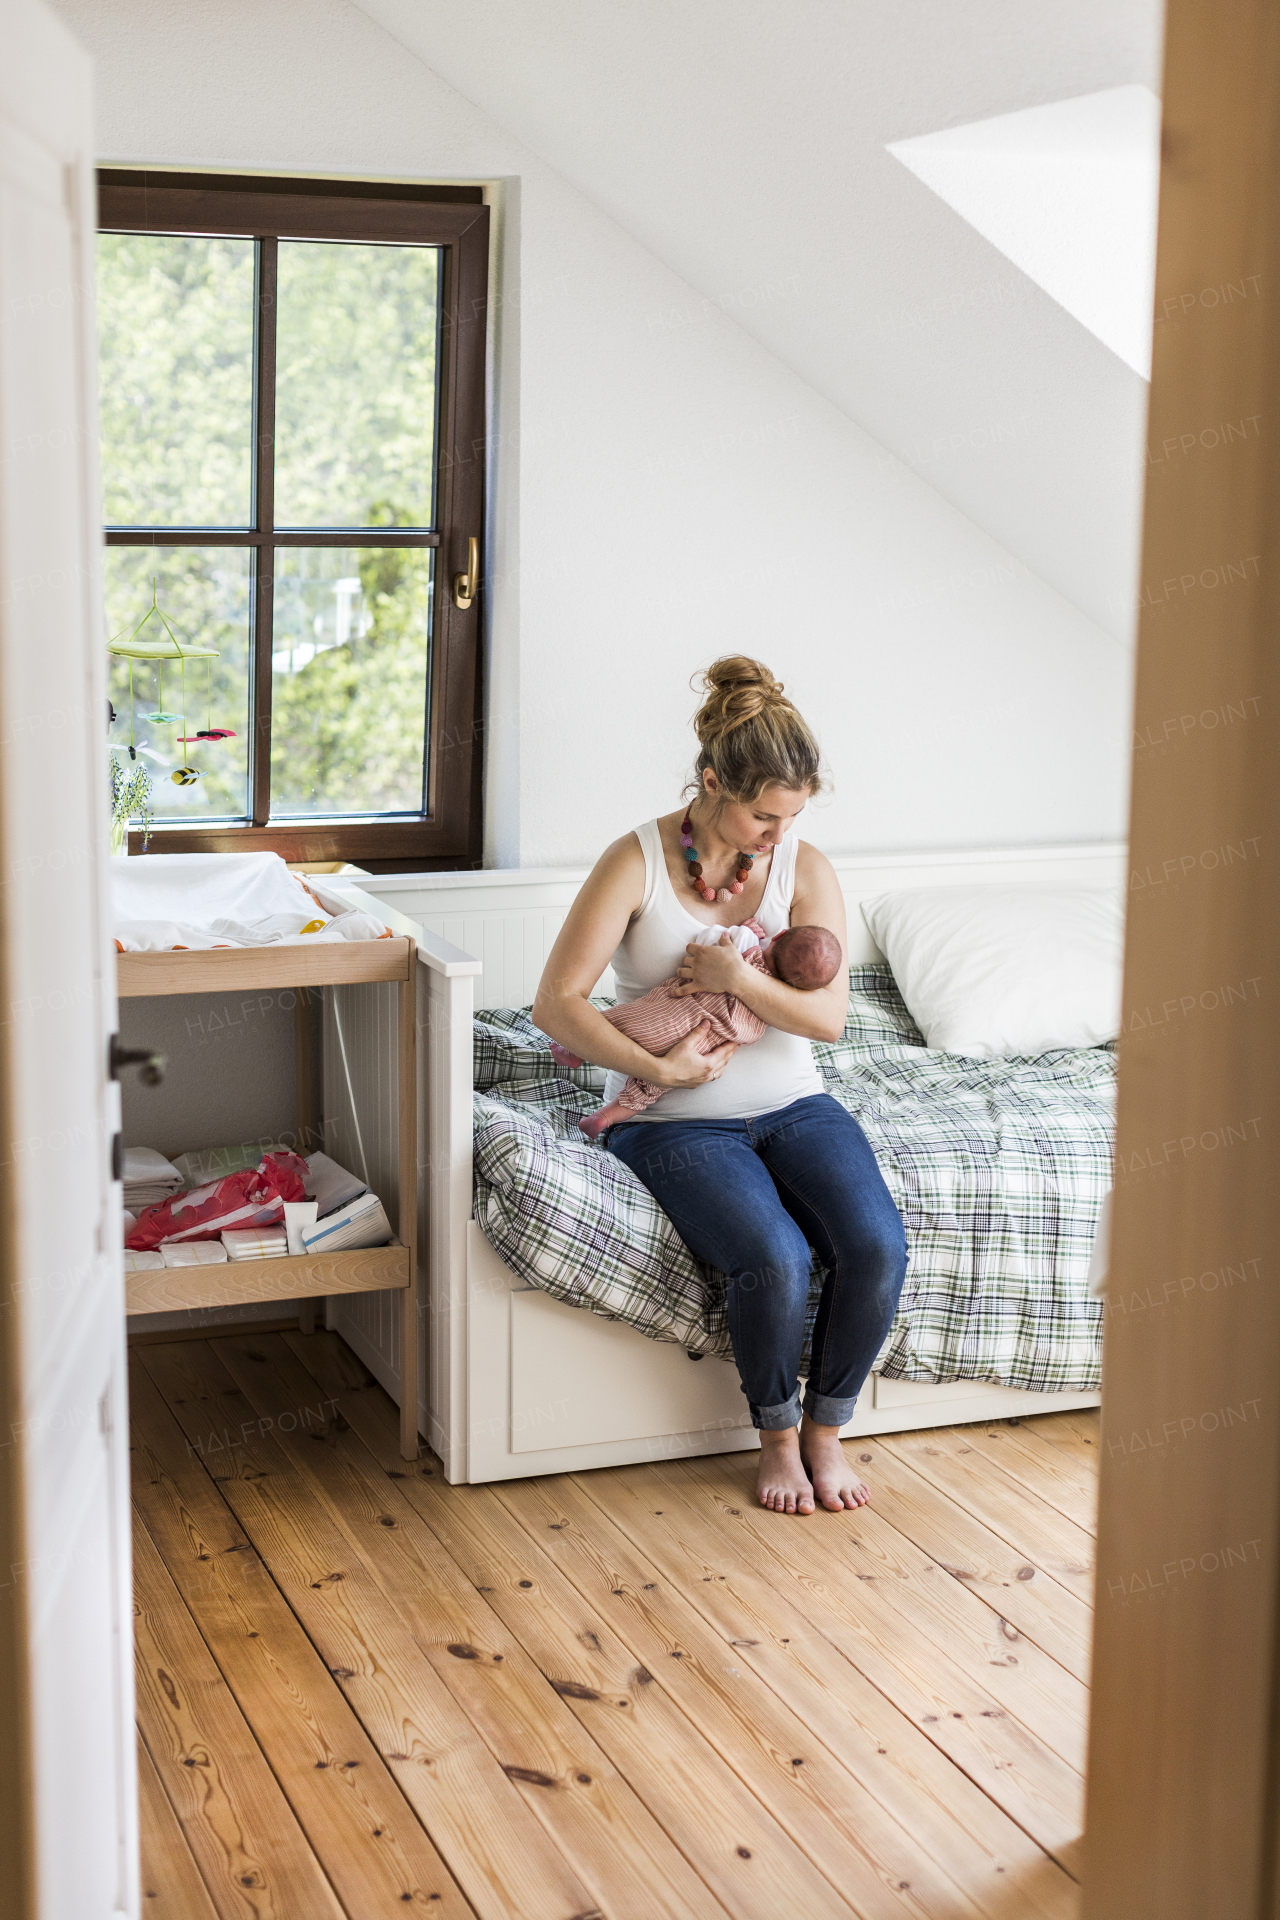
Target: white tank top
<point>759,1079</point>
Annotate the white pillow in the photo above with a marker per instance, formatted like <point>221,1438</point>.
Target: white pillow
<point>996,970</point>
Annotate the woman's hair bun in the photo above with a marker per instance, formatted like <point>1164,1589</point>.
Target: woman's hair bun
<point>736,690</point>
<point>749,734</point>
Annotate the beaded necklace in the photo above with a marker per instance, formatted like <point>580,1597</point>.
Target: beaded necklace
<point>696,877</point>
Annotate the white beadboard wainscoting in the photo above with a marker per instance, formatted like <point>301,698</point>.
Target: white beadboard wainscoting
<point>508,918</point>
<point>361,1106</point>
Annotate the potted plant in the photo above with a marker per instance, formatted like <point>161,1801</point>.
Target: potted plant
<point>130,794</point>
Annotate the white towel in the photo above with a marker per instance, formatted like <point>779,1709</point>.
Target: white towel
<point>140,1198</point>
<point>266,1243</point>
<point>193,1253</point>
<point>204,900</point>
<point>149,1179</point>
<point>143,1165</point>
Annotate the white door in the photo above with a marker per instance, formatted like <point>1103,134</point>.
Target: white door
<point>68,1824</point>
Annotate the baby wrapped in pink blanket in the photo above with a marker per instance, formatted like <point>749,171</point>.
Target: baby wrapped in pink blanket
<point>803,957</point>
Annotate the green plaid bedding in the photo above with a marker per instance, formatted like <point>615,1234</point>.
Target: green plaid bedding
<point>998,1168</point>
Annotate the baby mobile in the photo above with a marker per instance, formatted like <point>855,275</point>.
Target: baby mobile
<point>132,644</point>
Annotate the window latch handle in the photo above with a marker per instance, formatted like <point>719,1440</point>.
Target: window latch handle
<point>465,584</point>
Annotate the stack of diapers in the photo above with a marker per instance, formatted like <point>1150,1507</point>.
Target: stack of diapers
<point>191,1253</point>
<point>148,1178</point>
<point>268,1243</point>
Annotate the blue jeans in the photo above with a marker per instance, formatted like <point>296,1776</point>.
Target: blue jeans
<point>752,1197</point>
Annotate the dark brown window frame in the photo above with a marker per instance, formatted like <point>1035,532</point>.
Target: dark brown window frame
<point>448,834</point>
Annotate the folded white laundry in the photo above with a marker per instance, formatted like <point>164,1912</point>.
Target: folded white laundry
<point>144,1166</point>
<point>140,1198</point>
<point>149,1179</point>
<point>141,1262</point>
<point>193,1253</point>
<point>362,1223</point>
<point>264,1243</point>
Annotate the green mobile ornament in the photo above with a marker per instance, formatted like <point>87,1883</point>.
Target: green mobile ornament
<point>162,644</point>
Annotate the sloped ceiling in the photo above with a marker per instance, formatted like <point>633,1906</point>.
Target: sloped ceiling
<point>1068,192</point>
<point>745,143</point>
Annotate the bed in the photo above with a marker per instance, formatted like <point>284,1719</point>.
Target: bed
<point>520,1380</point>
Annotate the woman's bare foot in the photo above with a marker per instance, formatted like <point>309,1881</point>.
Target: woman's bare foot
<point>783,1485</point>
<point>834,1481</point>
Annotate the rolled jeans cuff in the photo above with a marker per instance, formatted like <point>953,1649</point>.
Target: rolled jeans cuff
<point>827,1409</point>
<point>774,1419</point>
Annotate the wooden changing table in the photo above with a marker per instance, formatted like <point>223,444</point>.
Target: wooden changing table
<point>301,1277</point>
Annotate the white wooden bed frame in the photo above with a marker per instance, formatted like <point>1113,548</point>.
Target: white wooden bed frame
<point>511,1381</point>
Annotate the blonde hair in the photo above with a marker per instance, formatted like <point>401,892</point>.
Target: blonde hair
<point>749,733</point>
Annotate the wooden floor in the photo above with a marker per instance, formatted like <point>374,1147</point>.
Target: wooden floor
<point>628,1693</point>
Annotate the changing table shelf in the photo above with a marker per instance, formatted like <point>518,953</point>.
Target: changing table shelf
<point>304,1277</point>
<point>335,963</point>
<point>242,1283</point>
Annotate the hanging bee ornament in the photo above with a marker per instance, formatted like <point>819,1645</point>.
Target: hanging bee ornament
<point>185,776</point>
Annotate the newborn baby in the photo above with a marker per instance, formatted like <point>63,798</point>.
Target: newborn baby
<point>803,957</point>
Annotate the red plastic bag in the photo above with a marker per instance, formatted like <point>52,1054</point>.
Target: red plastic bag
<point>254,1198</point>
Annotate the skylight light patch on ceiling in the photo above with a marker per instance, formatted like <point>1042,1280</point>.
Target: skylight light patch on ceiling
<point>1069,193</point>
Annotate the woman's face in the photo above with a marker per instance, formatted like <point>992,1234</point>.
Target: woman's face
<point>757,826</point>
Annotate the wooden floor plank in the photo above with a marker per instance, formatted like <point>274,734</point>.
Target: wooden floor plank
<point>357,1822</point>
<point>751,1862</point>
<point>1078,1434</point>
<point>473,1810</point>
<point>1043,1469</point>
<point>949,1702</point>
<point>824,1804</point>
<point>590,1812</point>
<point>968,1835</point>
<point>947,1457</point>
<point>1044,1612</point>
<point>911,1595</point>
<point>628,1693</point>
<point>253,1857</point>
<point>171,1885</point>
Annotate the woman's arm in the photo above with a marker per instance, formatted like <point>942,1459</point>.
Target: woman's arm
<point>586,943</point>
<point>819,1015</point>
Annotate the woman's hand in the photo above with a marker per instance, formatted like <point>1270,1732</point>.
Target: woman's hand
<point>718,969</point>
<point>685,1067</point>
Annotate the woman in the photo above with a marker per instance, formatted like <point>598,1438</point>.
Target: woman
<point>753,1163</point>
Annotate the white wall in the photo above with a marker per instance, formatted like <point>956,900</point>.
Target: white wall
<point>664,487</point>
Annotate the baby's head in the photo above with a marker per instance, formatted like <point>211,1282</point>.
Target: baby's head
<point>805,957</point>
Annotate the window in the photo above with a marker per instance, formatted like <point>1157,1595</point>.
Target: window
<point>292,403</point>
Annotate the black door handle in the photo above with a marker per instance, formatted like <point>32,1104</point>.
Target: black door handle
<point>151,1065</point>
